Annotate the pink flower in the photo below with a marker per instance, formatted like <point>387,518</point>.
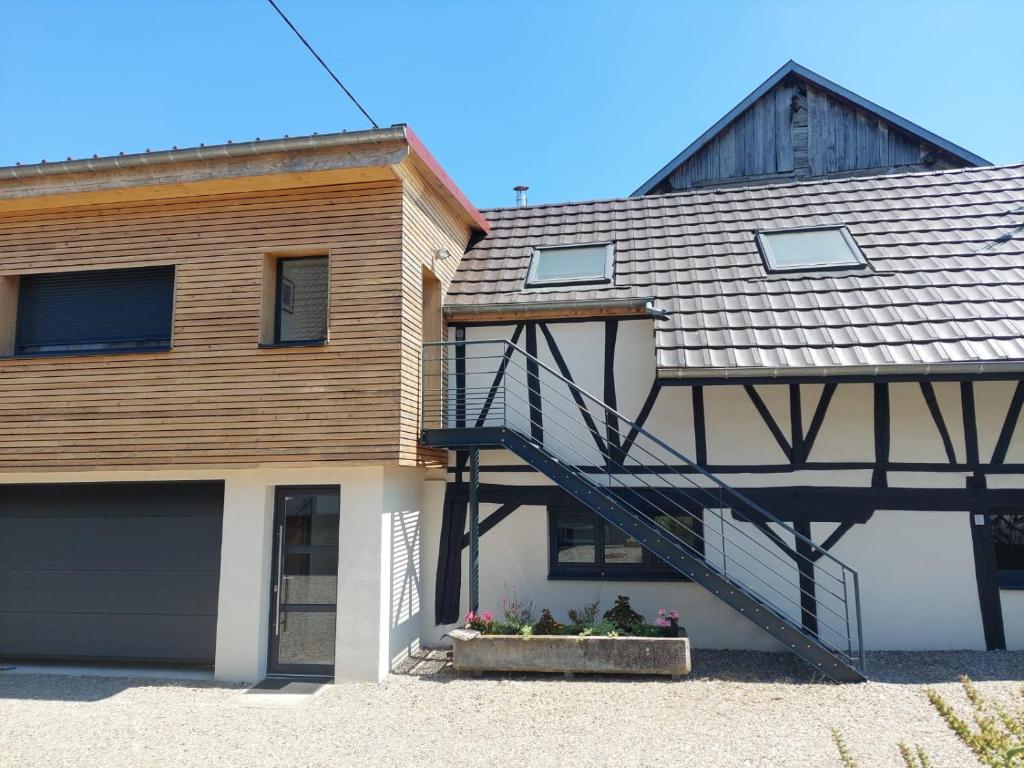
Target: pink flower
<point>663,623</point>
<point>673,615</point>
<point>470,616</point>
<point>661,611</point>
<point>488,617</point>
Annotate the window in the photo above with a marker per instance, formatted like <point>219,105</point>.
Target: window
<point>583,546</point>
<point>1008,537</point>
<point>302,290</point>
<point>786,250</point>
<point>111,310</point>
<point>557,265</point>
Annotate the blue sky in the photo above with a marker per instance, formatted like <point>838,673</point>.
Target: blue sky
<point>577,99</point>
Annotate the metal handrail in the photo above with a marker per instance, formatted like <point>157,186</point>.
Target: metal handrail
<point>466,398</point>
<point>707,541</point>
<point>660,443</point>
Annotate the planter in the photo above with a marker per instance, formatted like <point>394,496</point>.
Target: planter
<point>568,655</point>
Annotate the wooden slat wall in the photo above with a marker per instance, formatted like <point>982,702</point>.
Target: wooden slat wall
<point>428,224</point>
<point>824,136</point>
<point>216,398</point>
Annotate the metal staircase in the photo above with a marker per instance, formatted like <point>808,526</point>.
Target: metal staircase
<point>480,395</point>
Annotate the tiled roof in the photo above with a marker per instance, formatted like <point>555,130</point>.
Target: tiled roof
<point>946,285</point>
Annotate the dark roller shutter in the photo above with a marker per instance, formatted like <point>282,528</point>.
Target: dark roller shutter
<point>110,571</point>
<point>96,310</point>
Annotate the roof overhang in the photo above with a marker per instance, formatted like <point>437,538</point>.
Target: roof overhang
<point>301,161</point>
<point>792,68</point>
<point>547,310</point>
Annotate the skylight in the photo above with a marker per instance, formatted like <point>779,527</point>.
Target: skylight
<point>554,265</point>
<point>786,250</point>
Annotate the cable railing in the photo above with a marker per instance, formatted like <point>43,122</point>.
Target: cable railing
<point>478,384</point>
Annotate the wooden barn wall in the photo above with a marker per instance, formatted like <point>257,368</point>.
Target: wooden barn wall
<point>798,131</point>
<point>216,398</point>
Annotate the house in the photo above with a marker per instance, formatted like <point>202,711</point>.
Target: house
<point>295,406</point>
<point>789,382</point>
<point>778,389</point>
<point>210,358</point>
<point>798,125</point>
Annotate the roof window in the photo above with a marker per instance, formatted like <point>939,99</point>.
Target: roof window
<point>788,250</point>
<point>561,264</point>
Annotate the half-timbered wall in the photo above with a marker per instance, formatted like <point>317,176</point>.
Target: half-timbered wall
<point>898,473</point>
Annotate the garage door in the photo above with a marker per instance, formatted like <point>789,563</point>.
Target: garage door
<point>118,571</point>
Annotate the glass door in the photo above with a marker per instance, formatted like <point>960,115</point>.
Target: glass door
<point>304,590</point>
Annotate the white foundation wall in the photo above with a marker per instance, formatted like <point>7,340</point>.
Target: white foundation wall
<point>515,554</point>
<point>380,600</point>
<point>916,595</point>
<point>918,592</point>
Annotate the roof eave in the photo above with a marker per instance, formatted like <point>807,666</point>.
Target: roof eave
<point>840,371</point>
<point>634,306</point>
<point>79,173</point>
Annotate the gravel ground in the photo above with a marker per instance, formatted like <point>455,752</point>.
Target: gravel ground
<point>738,709</point>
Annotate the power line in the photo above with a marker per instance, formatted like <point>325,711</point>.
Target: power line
<point>324,64</point>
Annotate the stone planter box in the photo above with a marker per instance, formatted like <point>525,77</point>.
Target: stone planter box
<point>568,655</point>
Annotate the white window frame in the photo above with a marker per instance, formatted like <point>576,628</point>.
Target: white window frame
<point>609,264</point>
<point>771,263</point>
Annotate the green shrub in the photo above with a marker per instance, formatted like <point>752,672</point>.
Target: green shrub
<point>996,737</point>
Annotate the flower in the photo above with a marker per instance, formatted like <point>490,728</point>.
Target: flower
<point>663,623</point>
<point>470,616</point>
<point>674,615</point>
<point>661,611</point>
<point>488,617</point>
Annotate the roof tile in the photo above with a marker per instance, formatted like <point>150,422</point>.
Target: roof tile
<point>946,249</point>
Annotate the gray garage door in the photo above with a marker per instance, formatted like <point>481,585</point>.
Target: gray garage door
<point>110,571</point>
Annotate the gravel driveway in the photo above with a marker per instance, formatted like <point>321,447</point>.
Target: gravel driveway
<point>738,709</point>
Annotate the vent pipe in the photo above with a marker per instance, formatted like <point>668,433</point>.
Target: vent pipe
<point>521,195</point>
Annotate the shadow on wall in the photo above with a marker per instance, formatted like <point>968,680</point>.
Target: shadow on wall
<point>406,585</point>
<point>85,687</point>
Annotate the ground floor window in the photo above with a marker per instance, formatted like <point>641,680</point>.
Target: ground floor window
<point>583,546</point>
<point>1008,537</point>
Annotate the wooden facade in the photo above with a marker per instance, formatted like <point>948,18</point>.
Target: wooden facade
<point>219,397</point>
<point>800,128</point>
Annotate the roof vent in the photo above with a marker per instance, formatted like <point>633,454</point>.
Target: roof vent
<point>521,195</point>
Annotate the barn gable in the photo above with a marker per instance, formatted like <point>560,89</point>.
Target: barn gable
<point>798,125</point>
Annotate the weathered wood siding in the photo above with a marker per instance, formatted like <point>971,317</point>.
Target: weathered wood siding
<point>428,225</point>
<point>798,131</point>
<point>216,398</point>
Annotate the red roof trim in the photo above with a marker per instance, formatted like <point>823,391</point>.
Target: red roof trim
<point>423,153</point>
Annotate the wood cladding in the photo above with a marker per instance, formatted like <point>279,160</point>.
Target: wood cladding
<point>798,131</point>
<point>217,398</point>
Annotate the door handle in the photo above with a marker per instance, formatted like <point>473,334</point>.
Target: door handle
<point>278,584</point>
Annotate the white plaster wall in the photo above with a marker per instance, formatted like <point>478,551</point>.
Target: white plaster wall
<point>403,512</point>
<point>736,434</point>
<point>991,399</point>
<point>848,432</point>
<point>1012,601</point>
<point>918,592</point>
